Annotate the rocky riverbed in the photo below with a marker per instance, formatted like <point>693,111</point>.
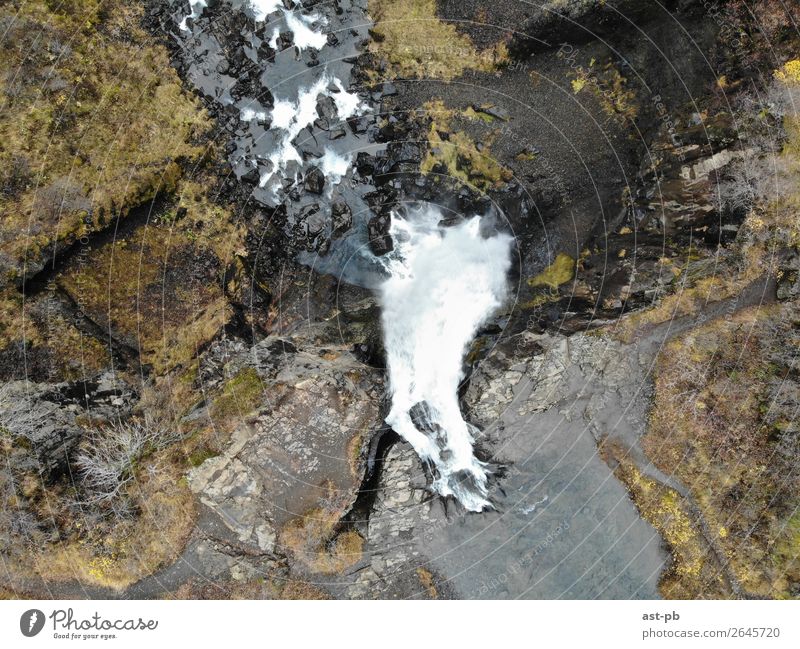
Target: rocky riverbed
<point>211,343</point>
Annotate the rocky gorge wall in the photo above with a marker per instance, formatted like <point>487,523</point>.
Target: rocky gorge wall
<point>215,355</point>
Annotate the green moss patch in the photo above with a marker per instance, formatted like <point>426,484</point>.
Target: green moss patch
<point>455,153</point>
<point>240,396</point>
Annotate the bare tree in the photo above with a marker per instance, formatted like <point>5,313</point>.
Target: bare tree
<point>109,457</point>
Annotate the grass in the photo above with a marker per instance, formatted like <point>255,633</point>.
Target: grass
<point>91,130</point>
<point>314,540</point>
<point>695,571</point>
<point>240,396</point>
<point>722,422</point>
<point>455,153</point>
<point>724,411</point>
<point>94,122</point>
<point>301,590</point>
<point>611,89</point>
<point>733,271</point>
<point>561,271</point>
<point>118,554</point>
<point>160,288</point>
<point>425,577</point>
<point>547,283</point>
<point>416,43</point>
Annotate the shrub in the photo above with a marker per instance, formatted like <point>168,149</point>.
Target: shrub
<point>108,460</point>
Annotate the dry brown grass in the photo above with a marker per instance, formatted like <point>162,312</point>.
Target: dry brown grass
<point>315,541</point>
<point>724,422</point>
<point>425,577</point>
<point>416,43</point>
<point>695,572</point>
<point>301,590</point>
<point>117,555</point>
<point>100,126</point>
<point>160,288</point>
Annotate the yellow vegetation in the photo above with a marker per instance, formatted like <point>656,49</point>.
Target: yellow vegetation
<point>89,133</point>
<point>119,556</point>
<point>718,423</point>
<point>312,539</point>
<point>426,579</point>
<point>416,43</point>
<point>561,271</point>
<point>240,396</point>
<point>546,283</point>
<point>695,572</point>
<point>458,153</point>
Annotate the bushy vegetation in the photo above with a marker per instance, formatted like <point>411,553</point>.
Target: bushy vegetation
<point>317,540</point>
<point>92,123</point>
<point>110,455</point>
<point>724,417</point>
<point>416,43</point>
<point>695,572</point>
<point>455,154</point>
<point>724,422</point>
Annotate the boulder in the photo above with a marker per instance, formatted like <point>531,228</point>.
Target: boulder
<point>302,452</point>
<point>380,241</point>
<point>315,180</point>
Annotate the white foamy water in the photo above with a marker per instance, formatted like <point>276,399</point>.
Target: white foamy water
<point>263,8</point>
<point>301,25</point>
<point>303,35</point>
<point>197,10</point>
<point>334,167</point>
<point>444,284</point>
<point>293,116</point>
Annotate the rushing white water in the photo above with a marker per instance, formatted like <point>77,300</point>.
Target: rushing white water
<point>443,284</point>
<point>303,35</point>
<point>197,9</point>
<point>263,8</point>
<point>293,116</point>
<point>299,24</point>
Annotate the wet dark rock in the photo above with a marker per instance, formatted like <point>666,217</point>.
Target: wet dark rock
<point>554,22</point>
<point>326,107</point>
<point>309,148</point>
<point>359,125</point>
<point>382,200</point>
<point>341,217</point>
<point>251,176</point>
<point>285,39</point>
<point>380,241</point>
<point>365,163</point>
<point>314,180</point>
<point>315,223</point>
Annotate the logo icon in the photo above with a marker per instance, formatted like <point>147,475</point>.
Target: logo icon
<point>31,622</point>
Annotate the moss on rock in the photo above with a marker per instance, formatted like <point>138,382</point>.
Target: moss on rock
<point>456,154</point>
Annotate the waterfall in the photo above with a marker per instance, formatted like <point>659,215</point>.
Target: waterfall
<point>443,284</point>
